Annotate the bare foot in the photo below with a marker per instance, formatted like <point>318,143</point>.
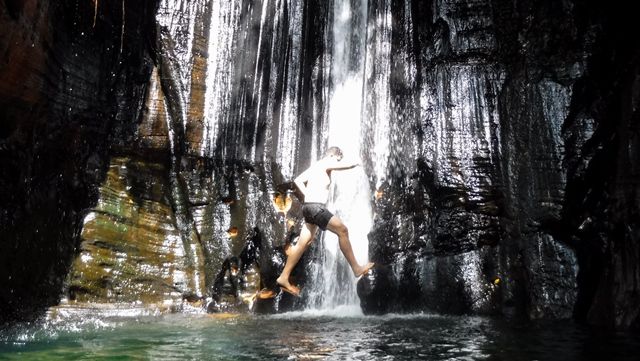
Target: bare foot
<point>265,293</point>
<point>288,287</point>
<point>362,270</point>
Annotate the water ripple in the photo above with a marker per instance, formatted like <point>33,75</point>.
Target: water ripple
<point>341,334</point>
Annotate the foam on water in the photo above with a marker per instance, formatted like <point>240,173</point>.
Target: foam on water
<point>354,312</point>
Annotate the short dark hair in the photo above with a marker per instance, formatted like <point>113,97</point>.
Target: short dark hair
<point>333,151</point>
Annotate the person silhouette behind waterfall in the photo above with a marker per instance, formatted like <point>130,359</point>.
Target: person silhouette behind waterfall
<point>314,185</point>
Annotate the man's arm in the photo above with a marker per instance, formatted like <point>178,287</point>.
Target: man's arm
<point>341,165</point>
<point>301,181</point>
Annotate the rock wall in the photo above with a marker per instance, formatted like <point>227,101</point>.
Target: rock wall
<point>196,180</point>
<point>600,214</point>
<point>509,145</point>
<point>71,84</point>
<point>486,109</point>
<point>140,143</point>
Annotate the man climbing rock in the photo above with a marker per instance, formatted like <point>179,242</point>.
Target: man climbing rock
<point>314,184</point>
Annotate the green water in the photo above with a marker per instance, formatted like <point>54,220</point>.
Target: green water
<point>332,335</point>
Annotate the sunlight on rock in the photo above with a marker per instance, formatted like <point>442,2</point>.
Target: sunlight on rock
<point>282,202</point>
<point>378,194</point>
<point>232,232</point>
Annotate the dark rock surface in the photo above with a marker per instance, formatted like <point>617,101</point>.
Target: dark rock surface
<point>377,291</point>
<point>514,157</point>
<point>138,152</point>
<point>70,91</point>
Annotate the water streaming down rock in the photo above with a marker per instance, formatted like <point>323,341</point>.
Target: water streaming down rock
<point>333,282</point>
<point>247,110</point>
<point>458,217</point>
<point>230,125</point>
<point>140,242</point>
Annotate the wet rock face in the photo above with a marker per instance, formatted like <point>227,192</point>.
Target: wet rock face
<point>67,92</point>
<point>377,290</point>
<point>601,213</point>
<point>139,152</point>
<point>513,175</point>
<point>131,250</point>
<point>211,172</point>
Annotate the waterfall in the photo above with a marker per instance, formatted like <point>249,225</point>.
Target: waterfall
<point>334,284</point>
<point>270,109</point>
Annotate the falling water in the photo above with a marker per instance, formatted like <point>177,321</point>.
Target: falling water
<point>273,108</point>
<point>350,196</point>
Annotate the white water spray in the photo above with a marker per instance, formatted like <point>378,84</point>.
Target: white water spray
<point>335,285</point>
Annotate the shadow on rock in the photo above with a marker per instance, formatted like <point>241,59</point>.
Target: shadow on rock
<point>377,290</point>
<point>247,282</point>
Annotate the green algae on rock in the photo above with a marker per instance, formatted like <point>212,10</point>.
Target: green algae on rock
<point>131,249</point>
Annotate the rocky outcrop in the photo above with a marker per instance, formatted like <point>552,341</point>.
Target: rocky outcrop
<point>131,249</point>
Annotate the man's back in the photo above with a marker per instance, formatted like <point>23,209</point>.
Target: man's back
<point>317,183</point>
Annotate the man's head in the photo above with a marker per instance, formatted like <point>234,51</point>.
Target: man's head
<point>335,152</point>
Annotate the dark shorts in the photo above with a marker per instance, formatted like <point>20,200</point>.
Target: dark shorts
<point>316,213</point>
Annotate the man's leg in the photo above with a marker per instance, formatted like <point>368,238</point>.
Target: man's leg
<point>307,234</point>
<point>336,226</point>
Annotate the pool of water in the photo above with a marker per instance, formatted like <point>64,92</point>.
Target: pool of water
<point>341,334</point>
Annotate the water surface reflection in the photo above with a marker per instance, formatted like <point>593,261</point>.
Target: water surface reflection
<point>342,334</point>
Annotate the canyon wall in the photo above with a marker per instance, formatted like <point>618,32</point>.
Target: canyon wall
<point>141,144</point>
